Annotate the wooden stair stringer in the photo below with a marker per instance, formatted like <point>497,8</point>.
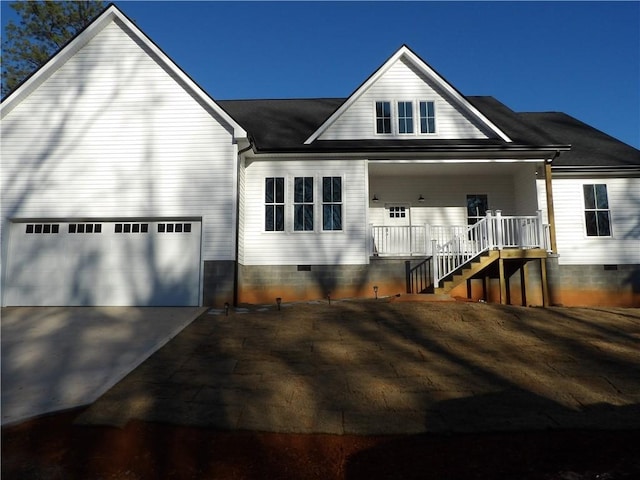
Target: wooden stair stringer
<point>469,270</point>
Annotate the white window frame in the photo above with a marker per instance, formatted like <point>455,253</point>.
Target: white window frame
<point>312,203</point>
<point>596,210</point>
<point>274,204</point>
<point>398,118</point>
<point>322,203</point>
<point>419,119</point>
<point>375,118</point>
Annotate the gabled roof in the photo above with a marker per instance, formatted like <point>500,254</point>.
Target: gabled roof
<point>282,126</point>
<point>407,54</point>
<point>113,14</point>
<point>590,147</point>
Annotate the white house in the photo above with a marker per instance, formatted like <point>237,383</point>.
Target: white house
<point>123,183</point>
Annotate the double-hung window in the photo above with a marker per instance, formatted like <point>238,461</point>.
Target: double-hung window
<point>332,203</point>
<point>405,117</point>
<point>303,204</point>
<point>274,204</point>
<point>427,117</point>
<point>597,215</point>
<point>383,117</point>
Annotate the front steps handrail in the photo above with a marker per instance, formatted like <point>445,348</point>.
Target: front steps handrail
<point>461,249</point>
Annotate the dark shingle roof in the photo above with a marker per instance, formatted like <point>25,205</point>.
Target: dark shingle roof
<point>281,124</point>
<point>590,147</point>
<point>284,125</point>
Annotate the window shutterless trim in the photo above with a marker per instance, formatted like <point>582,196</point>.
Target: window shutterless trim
<point>274,204</point>
<point>597,214</point>
<point>332,202</point>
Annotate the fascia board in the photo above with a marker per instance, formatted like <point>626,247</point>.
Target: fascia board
<point>112,13</point>
<point>354,96</point>
<point>453,93</point>
<point>238,131</point>
<point>55,62</point>
<point>430,72</point>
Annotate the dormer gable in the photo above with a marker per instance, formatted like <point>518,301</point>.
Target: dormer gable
<point>406,99</point>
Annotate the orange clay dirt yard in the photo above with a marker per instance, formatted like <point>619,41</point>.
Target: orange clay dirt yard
<point>361,389</point>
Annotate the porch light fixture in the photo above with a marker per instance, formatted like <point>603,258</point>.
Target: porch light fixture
<point>421,199</point>
<point>375,198</point>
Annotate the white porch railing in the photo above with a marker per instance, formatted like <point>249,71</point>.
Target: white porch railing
<point>453,246</point>
<point>399,240</point>
<point>461,249</point>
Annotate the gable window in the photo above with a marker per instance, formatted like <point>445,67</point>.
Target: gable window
<point>331,203</point>
<point>405,117</point>
<point>383,117</point>
<point>597,215</point>
<point>303,204</point>
<point>274,204</point>
<point>427,117</point>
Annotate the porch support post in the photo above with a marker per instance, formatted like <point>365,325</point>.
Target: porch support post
<point>550,211</point>
<point>543,280</point>
<point>524,275</point>
<point>486,286</point>
<point>503,285</point>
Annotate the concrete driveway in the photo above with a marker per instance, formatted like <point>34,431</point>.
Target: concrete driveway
<point>56,358</point>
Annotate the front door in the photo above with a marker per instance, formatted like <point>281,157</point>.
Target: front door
<point>477,206</point>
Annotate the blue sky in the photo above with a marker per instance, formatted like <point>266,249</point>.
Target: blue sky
<point>582,58</point>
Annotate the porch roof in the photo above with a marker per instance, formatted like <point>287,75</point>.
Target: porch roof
<point>282,126</point>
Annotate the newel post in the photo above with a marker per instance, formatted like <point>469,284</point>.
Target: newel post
<point>499,239</point>
<point>542,240</point>
<point>434,261</point>
<point>490,239</point>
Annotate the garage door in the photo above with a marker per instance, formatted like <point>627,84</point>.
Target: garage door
<point>141,263</point>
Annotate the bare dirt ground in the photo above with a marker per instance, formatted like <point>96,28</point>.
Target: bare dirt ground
<point>58,447</point>
<point>53,448</point>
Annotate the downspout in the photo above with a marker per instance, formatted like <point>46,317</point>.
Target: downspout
<point>550,210</point>
<point>237,239</point>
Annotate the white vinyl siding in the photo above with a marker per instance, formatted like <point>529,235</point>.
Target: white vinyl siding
<point>318,247</point>
<point>575,247</point>
<point>402,82</point>
<point>111,134</point>
<point>445,196</point>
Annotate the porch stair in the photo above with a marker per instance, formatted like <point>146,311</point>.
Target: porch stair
<point>467,271</point>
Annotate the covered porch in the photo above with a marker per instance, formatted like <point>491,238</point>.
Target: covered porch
<point>452,221</point>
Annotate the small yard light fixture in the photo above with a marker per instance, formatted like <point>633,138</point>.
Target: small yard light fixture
<point>329,298</point>
<point>421,199</point>
<point>375,291</point>
<point>278,301</point>
<point>226,309</point>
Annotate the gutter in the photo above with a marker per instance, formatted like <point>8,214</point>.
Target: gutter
<point>237,239</point>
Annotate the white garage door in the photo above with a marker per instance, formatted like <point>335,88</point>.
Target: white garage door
<point>141,263</point>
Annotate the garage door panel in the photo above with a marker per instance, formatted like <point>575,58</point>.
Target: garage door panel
<point>105,263</point>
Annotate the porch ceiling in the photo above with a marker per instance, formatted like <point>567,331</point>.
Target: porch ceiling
<point>399,168</point>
